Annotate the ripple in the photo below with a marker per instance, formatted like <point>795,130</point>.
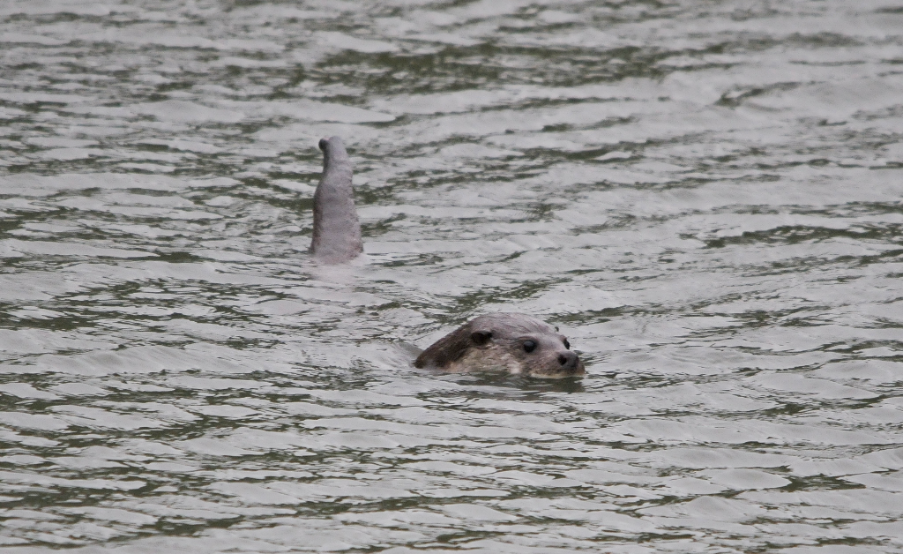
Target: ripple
<point>704,198</point>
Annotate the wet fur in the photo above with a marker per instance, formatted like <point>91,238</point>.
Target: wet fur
<point>494,342</point>
<point>337,232</point>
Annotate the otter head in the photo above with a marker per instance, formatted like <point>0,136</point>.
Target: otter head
<point>516,343</point>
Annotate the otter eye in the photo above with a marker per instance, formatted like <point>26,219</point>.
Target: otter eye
<point>567,344</point>
<point>529,346</point>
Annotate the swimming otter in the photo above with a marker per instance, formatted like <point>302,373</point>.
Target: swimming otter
<point>517,343</point>
<point>337,233</point>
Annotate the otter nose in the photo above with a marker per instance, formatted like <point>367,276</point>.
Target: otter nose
<point>568,360</point>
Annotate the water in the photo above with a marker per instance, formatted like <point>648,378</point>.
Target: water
<point>705,197</point>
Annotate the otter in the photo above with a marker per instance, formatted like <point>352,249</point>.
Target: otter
<point>517,343</point>
<point>337,233</point>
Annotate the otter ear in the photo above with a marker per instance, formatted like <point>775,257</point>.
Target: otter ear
<point>481,337</point>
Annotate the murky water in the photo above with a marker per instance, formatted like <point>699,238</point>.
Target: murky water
<point>705,196</point>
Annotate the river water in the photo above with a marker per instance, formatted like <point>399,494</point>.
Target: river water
<point>704,196</point>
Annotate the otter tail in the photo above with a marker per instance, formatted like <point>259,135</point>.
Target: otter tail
<point>337,233</point>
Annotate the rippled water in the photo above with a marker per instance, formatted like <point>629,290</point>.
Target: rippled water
<point>704,196</point>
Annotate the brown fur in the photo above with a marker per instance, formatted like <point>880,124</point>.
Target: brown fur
<point>496,342</point>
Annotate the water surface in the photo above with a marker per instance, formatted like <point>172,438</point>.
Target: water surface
<point>705,197</point>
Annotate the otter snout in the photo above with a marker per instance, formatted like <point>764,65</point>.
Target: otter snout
<point>568,360</point>
<point>570,363</point>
